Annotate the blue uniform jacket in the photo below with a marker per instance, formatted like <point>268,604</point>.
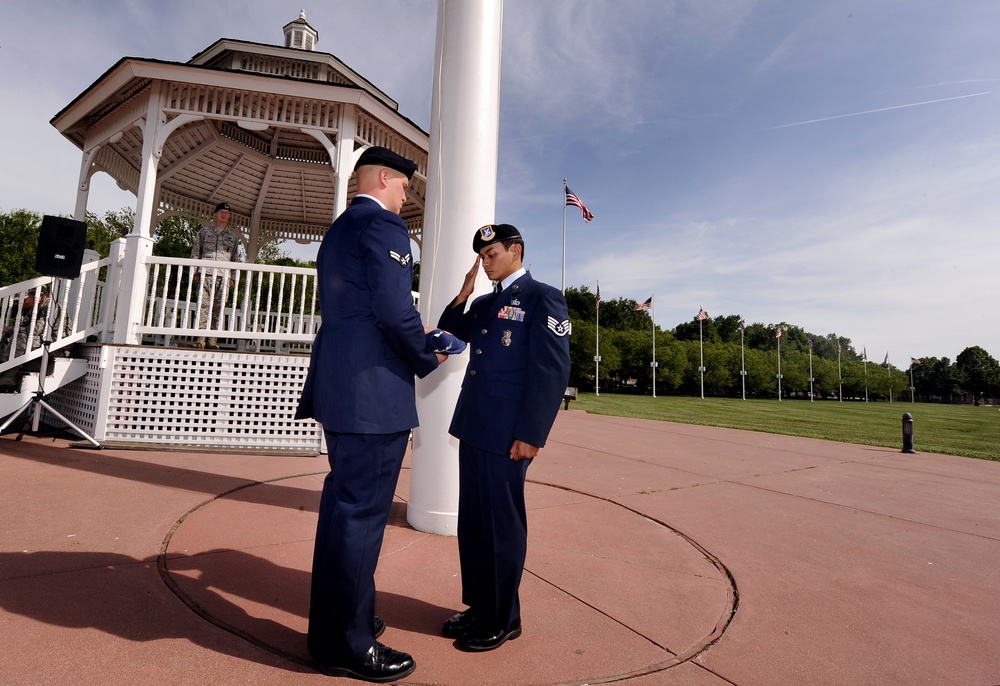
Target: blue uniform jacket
<point>518,365</point>
<point>371,341</point>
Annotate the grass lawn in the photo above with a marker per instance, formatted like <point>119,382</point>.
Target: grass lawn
<point>949,429</point>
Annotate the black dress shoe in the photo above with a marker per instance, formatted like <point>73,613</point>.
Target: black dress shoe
<point>379,626</point>
<point>481,638</point>
<point>460,623</point>
<point>380,664</point>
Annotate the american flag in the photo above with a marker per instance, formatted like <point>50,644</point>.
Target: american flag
<point>571,199</point>
<point>648,305</point>
<point>743,326</point>
<point>915,360</point>
<point>778,333</point>
<point>702,315</point>
<point>810,344</point>
<point>597,302</point>
<point>886,360</point>
<point>864,354</point>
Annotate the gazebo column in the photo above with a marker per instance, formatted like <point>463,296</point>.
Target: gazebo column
<point>343,164</point>
<point>83,188</point>
<point>461,196</point>
<point>139,243</point>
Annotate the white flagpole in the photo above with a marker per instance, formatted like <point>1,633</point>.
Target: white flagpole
<point>913,391</point>
<point>811,398</point>
<point>701,347</point>
<point>840,376</point>
<point>779,365</point>
<point>652,307</point>
<point>866,373</point>
<point>597,351</point>
<point>888,376</point>
<point>743,360</point>
<point>564,239</point>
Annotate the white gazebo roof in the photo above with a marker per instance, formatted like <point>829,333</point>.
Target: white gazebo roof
<point>274,131</point>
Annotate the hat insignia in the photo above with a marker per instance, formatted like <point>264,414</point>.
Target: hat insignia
<point>487,233</point>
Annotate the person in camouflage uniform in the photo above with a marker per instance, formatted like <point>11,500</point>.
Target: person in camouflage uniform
<point>214,242</point>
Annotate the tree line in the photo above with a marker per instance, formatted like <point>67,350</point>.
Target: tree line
<point>626,353</point>
<point>625,335</point>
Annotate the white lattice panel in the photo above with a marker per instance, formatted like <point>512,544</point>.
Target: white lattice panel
<point>196,398</point>
<point>79,400</point>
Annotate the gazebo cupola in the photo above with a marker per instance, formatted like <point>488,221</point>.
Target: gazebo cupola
<point>299,34</point>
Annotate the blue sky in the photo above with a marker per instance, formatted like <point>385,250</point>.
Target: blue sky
<point>829,164</point>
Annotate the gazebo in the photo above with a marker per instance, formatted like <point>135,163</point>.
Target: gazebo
<point>274,131</point>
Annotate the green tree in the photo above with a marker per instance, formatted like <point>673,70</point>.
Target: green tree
<point>581,304</point>
<point>174,236</point>
<point>691,331</point>
<point>936,378</point>
<point>102,232</point>
<point>620,314</point>
<point>18,243</point>
<point>635,348</point>
<point>728,327</point>
<point>978,372</point>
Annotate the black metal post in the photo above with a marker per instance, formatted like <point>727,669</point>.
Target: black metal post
<point>908,433</point>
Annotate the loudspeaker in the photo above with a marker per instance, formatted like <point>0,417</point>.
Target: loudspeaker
<point>61,243</point>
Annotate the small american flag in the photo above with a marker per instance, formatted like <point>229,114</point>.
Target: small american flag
<point>864,354</point>
<point>702,315</point>
<point>571,199</point>
<point>810,344</point>
<point>886,360</point>
<point>597,302</point>
<point>777,334</point>
<point>642,307</point>
<point>743,326</point>
<point>915,360</point>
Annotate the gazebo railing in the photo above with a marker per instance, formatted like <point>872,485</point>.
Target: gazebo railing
<point>77,315</point>
<point>267,307</point>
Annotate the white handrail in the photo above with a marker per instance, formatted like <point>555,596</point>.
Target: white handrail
<point>78,307</point>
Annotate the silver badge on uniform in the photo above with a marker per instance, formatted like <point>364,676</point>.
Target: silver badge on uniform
<point>505,340</point>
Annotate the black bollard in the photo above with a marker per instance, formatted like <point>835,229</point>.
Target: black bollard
<point>908,433</point>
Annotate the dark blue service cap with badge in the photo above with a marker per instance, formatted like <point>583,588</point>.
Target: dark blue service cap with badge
<point>493,233</point>
<point>223,206</point>
<point>440,341</point>
<point>384,157</point>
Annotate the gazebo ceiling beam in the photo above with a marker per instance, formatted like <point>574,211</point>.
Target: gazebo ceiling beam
<point>225,177</point>
<point>188,157</point>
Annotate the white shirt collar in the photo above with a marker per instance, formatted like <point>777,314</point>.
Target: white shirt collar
<point>512,278</point>
<point>371,197</point>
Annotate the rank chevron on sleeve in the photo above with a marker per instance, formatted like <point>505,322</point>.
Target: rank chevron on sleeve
<point>559,328</point>
<point>403,261</point>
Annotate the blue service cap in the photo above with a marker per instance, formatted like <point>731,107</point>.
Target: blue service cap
<point>384,157</point>
<point>494,233</point>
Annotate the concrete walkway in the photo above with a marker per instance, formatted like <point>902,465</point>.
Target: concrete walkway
<point>658,554</point>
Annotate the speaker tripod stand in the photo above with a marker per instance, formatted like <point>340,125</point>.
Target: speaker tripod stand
<point>37,401</point>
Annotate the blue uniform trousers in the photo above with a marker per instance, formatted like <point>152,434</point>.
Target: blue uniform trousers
<point>492,532</point>
<point>353,512</point>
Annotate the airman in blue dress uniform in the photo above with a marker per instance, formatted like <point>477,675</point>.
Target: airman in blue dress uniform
<point>517,375</point>
<point>360,387</point>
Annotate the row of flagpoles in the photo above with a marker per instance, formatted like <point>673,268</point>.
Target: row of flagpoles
<point>571,199</point>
